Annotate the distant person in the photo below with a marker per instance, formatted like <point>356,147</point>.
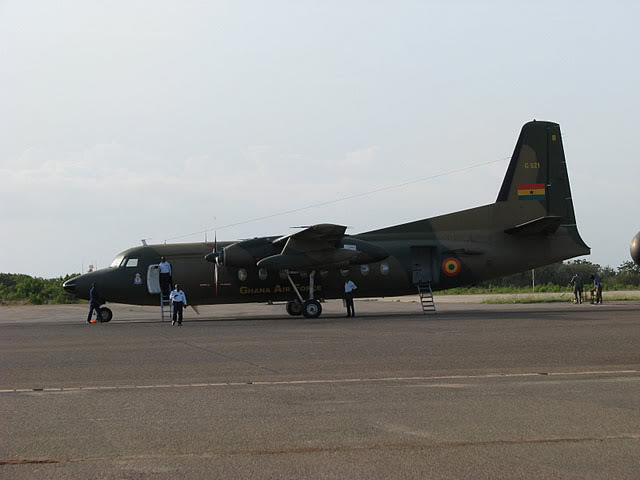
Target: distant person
<point>578,287</point>
<point>597,289</point>
<point>349,287</point>
<point>179,301</point>
<point>94,304</point>
<point>165,276</point>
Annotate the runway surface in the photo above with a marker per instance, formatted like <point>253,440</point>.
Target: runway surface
<point>476,391</point>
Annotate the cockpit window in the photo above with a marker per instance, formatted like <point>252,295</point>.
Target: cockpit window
<point>116,261</point>
<point>132,262</point>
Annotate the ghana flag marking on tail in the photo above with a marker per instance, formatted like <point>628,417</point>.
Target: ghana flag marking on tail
<point>531,191</point>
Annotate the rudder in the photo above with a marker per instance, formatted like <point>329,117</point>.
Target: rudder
<point>537,179</point>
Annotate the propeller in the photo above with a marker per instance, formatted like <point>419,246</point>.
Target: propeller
<point>215,263</point>
<point>211,257</point>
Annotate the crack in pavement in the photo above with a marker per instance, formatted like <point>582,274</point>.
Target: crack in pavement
<point>427,445</point>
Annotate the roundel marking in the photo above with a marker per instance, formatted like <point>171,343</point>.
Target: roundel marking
<point>451,266</point>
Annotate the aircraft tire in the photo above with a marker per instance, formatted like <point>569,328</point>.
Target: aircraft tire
<point>106,313</point>
<point>294,308</point>
<point>311,309</point>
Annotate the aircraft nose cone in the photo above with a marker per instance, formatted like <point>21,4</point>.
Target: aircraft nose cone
<point>70,285</point>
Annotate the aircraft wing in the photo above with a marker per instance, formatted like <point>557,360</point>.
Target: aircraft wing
<point>327,232</point>
<point>315,246</point>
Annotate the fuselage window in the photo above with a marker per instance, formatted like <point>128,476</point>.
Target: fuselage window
<point>242,274</point>
<point>116,261</point>
<point>384,268</point>
<point>364,270</point>
<point>132,262</point>
<point>344,272</point>
<point>262,274</point>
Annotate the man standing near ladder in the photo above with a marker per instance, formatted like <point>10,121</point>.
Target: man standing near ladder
<point>179,301</point>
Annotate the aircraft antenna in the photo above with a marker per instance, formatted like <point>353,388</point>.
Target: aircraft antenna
<point>350,197</point>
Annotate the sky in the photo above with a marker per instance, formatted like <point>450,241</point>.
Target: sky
<point>130,120</point>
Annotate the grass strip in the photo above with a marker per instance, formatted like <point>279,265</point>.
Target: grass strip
<point>524,300</point>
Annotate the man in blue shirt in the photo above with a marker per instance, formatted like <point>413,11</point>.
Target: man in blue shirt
<point>179,301</point>
<point>165,276</point>
<point>349,287</point>
<point>597,289</point>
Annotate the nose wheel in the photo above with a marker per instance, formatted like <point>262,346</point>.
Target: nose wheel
<point>311,307</point>
<point>106,313</point>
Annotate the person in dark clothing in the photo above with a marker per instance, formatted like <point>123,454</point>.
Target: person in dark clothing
<point>578,287</point>
<point>597,289</point>
<point>94,304</point>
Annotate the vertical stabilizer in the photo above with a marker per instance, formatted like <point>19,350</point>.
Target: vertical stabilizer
<point>537,183</point>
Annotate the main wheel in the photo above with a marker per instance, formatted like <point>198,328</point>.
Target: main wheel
<point>294,308</point>
<point>106,313</point>
<point>311,309</point>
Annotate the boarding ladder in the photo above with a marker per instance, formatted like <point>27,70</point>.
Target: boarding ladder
<point>165,307</point>
<point>426,298</point>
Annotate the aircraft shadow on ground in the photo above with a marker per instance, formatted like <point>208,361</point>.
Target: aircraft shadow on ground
<point>577,314</point>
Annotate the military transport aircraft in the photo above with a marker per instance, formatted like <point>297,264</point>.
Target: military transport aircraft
<point>531,224</point>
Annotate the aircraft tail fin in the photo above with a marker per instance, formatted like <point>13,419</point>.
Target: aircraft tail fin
<point>534,199</point>
<point>537,181</point>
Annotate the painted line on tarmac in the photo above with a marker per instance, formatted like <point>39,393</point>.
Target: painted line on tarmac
<point>319,381</point>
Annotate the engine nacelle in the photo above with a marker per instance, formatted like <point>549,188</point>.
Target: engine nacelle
<point>246,253</point>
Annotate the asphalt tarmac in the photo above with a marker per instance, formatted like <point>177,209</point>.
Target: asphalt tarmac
<point>476,391</point>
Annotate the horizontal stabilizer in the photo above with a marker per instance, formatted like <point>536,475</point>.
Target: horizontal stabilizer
<point>543,225</point>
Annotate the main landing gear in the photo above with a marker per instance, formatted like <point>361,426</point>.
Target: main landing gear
<point>311,307</point>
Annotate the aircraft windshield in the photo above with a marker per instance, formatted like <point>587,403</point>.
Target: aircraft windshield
<point>116,261</point>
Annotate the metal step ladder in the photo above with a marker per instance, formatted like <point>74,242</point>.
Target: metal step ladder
<point>426,298</point>
<point>165,307</point>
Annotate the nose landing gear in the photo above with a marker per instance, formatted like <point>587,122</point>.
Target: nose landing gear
<point>106,313</point>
